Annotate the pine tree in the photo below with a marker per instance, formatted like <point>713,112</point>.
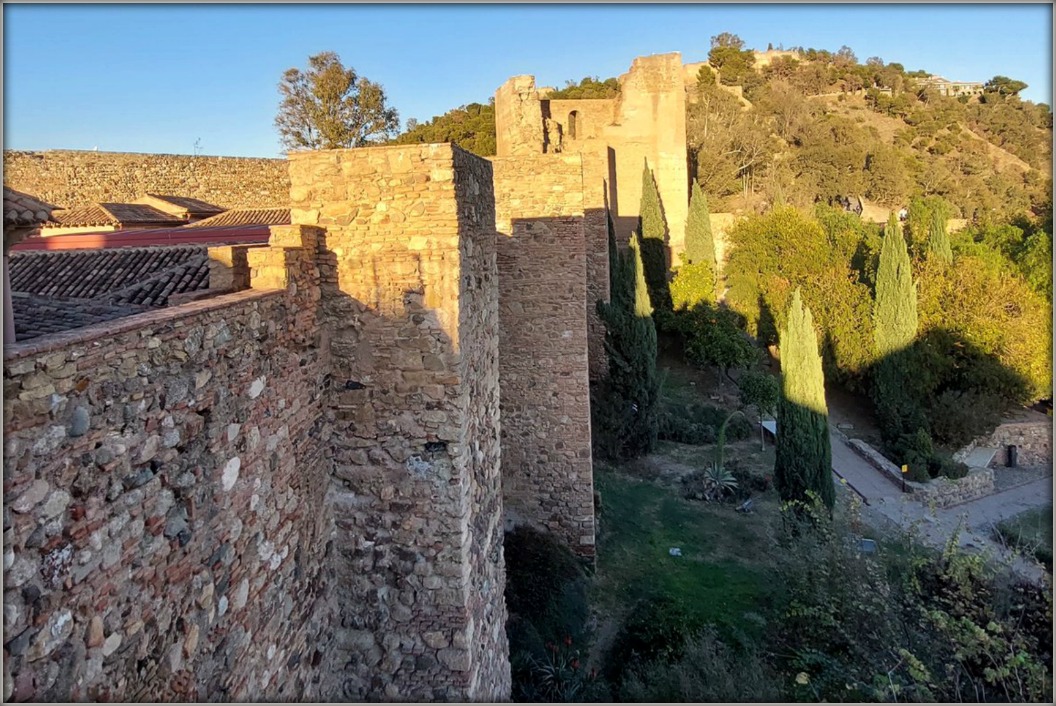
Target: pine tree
<point>804,453</point>
<point>939,239</point>
<point>895,309</point>
<point>652,230</point>
<point>632,388</point>
<point>695,280</point>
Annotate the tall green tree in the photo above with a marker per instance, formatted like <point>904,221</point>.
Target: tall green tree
<point>700,243</point>
<point>329,106</point>
<point>939,239</point>
<point>652,230</point>
<point>896,405</point>
<point>895,308</point>
<point>695,280</point>
<point>803,459</point>
<point>632,390</point>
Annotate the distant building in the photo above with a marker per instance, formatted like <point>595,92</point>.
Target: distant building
<point>246,217</point>
<point>952,88</point>
<point>183,207</point>
<point>102,217</point>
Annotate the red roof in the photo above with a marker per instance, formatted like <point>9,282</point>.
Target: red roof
<point>230,235</point>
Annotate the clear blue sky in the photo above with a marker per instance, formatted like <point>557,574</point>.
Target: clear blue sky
<point>156,78</point>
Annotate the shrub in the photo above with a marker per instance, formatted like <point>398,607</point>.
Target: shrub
<point>698,424</point>
<point>546,590</point>
<point>709,671</point>
<point>959,416</point>
<point>908,626</point>
<point>655,631</point>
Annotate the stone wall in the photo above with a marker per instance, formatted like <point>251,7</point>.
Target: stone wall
<point>543,360</point>
<point>69,177</point>
<point>941,492</point>
<point>165,533</point>
<point>410,299</point>
<point>644,125</point>
<point>1032,439</point>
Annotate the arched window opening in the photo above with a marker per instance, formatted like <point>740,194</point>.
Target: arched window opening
<point>573,118</point>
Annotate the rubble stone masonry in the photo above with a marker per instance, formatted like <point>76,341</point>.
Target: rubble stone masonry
<point>67,178</point>
<point>410,298</point>
<point>165,535</point>
<point>293,491</point>
<point>543,360</point>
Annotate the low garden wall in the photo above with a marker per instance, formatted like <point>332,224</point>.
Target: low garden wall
<point>941,492</point>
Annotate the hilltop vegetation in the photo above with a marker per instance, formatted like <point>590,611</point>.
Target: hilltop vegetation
<point>817,125</point>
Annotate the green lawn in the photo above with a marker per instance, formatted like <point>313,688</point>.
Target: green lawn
<point>1031,532</point>
<point>722,573</point>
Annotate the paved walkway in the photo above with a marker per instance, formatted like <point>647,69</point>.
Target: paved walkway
<point>885,504</point>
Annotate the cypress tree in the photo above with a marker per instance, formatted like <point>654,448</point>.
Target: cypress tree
<point>804,454</point>
<point>630,419</point>
<point>652,230</point>
<point>895,308</point>
<point>700,243</point>
<point>695,280</point>
<point>895,320</point>
<point>939,239</point>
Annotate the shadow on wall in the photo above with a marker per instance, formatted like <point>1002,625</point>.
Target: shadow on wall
<point>414,399</point>
<point>545,331</point>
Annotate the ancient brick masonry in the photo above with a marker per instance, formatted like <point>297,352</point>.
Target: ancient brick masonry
<point>165,536</point>
<point>543,360</point>
<point>410,298</point>
<point>70,177</point>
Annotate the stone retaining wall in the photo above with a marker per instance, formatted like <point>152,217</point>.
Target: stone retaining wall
<point>165,532</point>
<point>67,178</point>
<point>941,492</point>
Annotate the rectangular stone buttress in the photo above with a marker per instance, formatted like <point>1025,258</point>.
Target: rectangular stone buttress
<point>409,298</point>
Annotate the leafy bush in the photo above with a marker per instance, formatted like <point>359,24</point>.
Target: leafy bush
<point>655,631</point>
<point>709,671</point>
<point>959,416</point>
<point>913,626</point>
<point>698,424</point>
<point>546,591</point>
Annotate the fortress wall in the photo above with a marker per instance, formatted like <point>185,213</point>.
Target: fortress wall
<point>518,118</point>
<point>69,177</point>
<point>165,532</point>
<point>546,464</point>
<point>410,300</point>
<point>651,128</point>
<point>645,124</point>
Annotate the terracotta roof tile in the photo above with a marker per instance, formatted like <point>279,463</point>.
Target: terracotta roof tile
<point>23,210</point>
<point>38,316</point>
<point>146,276</point>
<point>247,217</point>
<point>91,215</point>
<point>183,206</point>
<point>112,214</point>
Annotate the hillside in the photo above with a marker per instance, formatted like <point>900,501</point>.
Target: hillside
<point>823,126</point>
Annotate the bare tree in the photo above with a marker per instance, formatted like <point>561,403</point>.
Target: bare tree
<point>328,106</point>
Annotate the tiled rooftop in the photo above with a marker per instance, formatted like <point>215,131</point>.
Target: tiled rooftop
<point>23,210</point>
<point>182,206</point>
<point>112,214</point>
<point>146,276</point>
<point>39,316</point>
<point>247,217</point>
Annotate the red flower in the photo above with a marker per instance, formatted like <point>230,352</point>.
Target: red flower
<point>575,664</point>
<point>568,640</point>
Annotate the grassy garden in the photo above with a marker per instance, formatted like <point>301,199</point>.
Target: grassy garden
<point>1031,533</point>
